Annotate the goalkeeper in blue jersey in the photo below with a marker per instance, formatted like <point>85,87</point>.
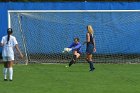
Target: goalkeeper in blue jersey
<point>75,48</point>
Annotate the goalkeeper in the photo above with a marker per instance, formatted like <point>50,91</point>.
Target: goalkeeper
<point>75,48</point>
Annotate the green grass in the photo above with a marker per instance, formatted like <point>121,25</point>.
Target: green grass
<point>56,78</point>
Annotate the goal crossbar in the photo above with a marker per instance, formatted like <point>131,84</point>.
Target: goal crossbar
<point>25,11</point>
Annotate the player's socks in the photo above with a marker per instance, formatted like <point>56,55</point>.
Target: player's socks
<point>71,62</point>
<point>91,65</point>
<point>74,59</point>
<point>5,73</point>
<point>11,73</point>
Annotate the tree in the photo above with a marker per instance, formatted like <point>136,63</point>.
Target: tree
<point>66,0</point>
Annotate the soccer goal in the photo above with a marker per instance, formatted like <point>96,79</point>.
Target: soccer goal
<point>43,34</point>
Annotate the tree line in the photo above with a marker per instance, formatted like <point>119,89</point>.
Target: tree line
<point>69,0</point>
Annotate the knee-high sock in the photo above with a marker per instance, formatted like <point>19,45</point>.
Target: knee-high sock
<point>5,73</point>
<point>10,73</point>
<point>73,60</point>
<point>74,57</point>
<point>91,65</point>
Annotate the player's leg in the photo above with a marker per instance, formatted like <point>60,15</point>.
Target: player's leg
<point>10,68</point>
<point>89,51</point>
<point>89,60</point>
<point>5,62</point>
<point>75,56</point>
<point>5,70</point>
<point>73,59</point>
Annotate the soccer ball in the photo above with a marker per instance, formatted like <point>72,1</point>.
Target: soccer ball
<point>66,66</point>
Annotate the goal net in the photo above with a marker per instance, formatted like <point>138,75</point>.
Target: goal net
<point>43,34</point>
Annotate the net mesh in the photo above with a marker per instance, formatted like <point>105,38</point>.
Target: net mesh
<point>42,36</point>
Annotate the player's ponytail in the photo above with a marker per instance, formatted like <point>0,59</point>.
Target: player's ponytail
<point>90,29</point>
<point>9,32</point>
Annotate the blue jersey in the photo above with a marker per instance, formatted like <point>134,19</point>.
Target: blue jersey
<point>75,46</point>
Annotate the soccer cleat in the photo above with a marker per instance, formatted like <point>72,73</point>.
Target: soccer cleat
<point>10,80</point>
<point>91,70</point>
<point>5,80</point>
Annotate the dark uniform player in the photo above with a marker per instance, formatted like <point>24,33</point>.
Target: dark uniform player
<point>90,46</point>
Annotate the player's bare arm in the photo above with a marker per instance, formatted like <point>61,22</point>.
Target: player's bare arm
<point>17,48</point>
<point>94,45</point>
<point>87,37</point>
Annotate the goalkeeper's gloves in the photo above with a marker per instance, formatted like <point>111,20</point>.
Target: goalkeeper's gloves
<point>67,49</point>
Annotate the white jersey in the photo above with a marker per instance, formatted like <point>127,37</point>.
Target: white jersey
<point>8,47</point>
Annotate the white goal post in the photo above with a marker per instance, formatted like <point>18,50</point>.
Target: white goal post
<point>37,29</point>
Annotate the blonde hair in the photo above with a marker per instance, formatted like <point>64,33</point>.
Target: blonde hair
<point>90,29</point>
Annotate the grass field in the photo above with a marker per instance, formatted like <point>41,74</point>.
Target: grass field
<point>56,78</point>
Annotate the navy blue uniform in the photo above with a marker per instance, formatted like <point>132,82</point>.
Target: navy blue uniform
<point>90,45</point>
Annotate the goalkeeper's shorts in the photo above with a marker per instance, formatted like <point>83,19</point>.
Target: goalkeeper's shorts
<point>78,51</point>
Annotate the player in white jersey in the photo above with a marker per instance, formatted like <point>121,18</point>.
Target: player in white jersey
<point>8,43</point>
